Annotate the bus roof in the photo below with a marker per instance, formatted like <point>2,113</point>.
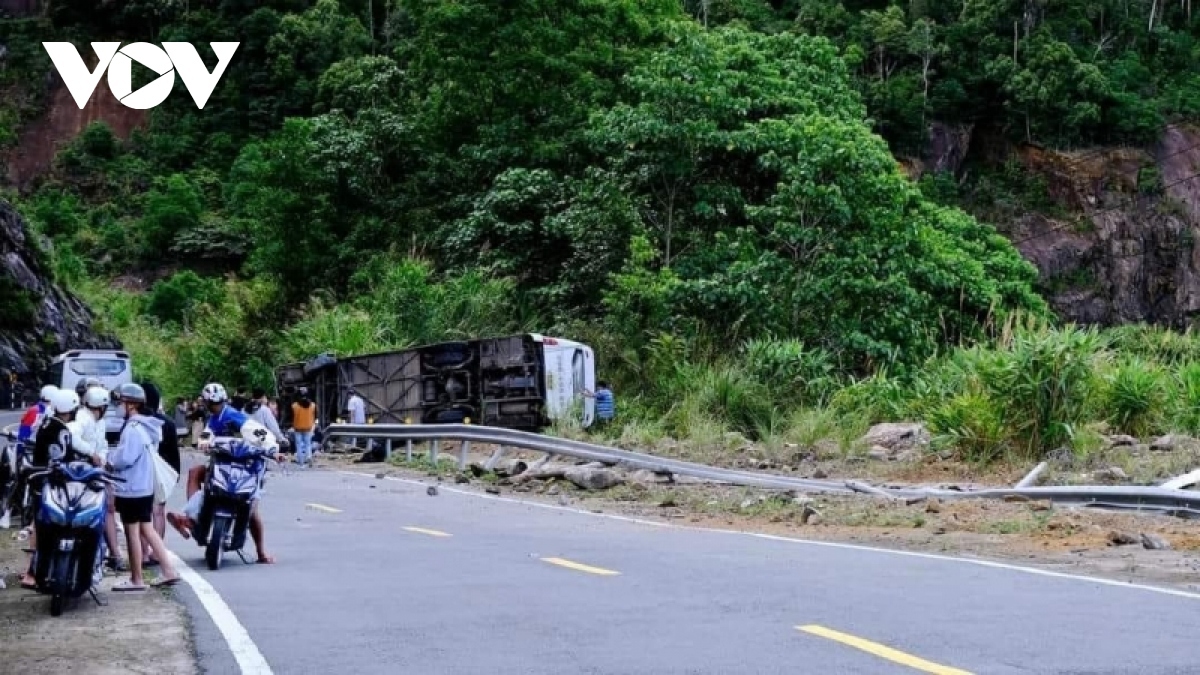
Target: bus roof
<point>76,353</point>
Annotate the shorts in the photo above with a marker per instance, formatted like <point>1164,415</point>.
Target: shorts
<point>135,510</point>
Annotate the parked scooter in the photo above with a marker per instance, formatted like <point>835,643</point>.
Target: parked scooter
<point>15,493</point>
<point>233,479</point>
<point>70,531</point>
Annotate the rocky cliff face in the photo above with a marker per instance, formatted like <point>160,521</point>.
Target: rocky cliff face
<point>56,320</point>
<point>1121,250</point>
<point>1127,254</point>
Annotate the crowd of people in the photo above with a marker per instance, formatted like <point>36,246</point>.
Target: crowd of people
<point>70,426</point>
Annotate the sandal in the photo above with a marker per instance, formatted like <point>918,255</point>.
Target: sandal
<point>166,582</point>
<point>128,585</point>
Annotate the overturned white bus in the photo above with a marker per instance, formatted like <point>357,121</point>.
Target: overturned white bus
<point>518,382</point>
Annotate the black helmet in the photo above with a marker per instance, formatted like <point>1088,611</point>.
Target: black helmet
<point>81,386</point>
<point>130,393</point>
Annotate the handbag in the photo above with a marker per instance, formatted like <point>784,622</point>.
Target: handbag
<point>165,478</point>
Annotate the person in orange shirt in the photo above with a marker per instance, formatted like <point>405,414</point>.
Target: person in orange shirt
<point>304,415</point>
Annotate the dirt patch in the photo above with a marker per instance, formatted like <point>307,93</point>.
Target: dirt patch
<point>136,633</point>
<point>1076,540</point>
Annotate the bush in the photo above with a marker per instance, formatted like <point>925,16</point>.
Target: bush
<point>17,306</point>
<point>1135,396</point>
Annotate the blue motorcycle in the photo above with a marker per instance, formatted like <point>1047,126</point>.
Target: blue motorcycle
<point>70,531</point>
<point>233,478</point>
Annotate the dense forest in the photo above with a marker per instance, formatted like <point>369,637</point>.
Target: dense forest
<point>706,191</point>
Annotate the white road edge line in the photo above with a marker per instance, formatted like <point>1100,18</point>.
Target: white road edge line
<point>808,542</point>
<point>245,652</point>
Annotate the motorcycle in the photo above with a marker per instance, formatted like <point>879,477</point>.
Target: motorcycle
<point>233,478</point>
<point>70,531</point>
<point>15,493</point>
<point>8,483</point>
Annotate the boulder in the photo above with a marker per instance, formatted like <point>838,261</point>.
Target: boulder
<point>896,438</point>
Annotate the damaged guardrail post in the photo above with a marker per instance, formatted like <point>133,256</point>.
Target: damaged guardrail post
<point>1031,478</point>
<point>408,443</point>
<point>464,448</point>
<point>490,465</point>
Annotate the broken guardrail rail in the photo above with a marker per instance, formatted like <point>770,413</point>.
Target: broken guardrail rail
<point>1166,500</point>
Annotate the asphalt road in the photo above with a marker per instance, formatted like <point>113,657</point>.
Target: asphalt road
<point>376,576</point>
<point>355,591</point>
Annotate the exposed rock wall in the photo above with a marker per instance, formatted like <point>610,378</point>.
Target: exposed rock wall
<point>1126,253</point>
<point>60,320</point>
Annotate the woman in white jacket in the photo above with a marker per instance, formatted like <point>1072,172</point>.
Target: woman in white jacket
<point>133,460</point>
<point>87,437</point>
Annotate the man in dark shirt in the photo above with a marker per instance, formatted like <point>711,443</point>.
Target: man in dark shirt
<point>168,449</point>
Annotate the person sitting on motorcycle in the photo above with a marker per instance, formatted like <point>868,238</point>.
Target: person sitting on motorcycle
<point>225,421</point>
<point>133,460</point>
<point>32,420</point>
<point>52,443</point>
<point>88,438</point>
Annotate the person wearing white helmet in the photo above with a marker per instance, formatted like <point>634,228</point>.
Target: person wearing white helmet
<point>226,421</point>
<point>87,438</point>
<point>53,443</point>
<point>33,419</point>
<point>26,430</point>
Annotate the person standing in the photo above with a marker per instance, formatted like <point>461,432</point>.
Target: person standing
<point>259,409</point>
<point>605,404</point>
<point>304,418</point>
<point>88,437</point>
<point>168,449</point>
<point>198,417</point>
<point>357,408</point>
<point>133,462</point>
<point>181,413</point>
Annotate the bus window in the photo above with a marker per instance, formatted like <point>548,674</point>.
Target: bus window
<point>577,373</point>
<point>97,367</point>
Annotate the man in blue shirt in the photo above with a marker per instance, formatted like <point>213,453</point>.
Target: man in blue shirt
<point>605,405</point>
<point>224,421</point>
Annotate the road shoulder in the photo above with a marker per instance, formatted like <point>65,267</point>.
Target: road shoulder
<point>145,632</point>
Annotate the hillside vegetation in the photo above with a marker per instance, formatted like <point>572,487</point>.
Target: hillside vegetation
<point>706,192</point>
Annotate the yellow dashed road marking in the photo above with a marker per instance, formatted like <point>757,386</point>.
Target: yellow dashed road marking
<point>882,652</point>
<point>580,567</point>
<point>432,533</point>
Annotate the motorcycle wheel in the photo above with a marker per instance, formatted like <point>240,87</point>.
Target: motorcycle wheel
<point>216,542</point>
<point>62,575</point>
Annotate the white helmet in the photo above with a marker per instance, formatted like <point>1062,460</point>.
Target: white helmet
<point>48,392</point>
<point>96,397</point>
<point>257,435</point>
<point>214,393</point>
<point>64,401</point>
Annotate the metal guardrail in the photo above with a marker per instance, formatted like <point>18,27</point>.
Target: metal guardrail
<point>1176,502</point>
